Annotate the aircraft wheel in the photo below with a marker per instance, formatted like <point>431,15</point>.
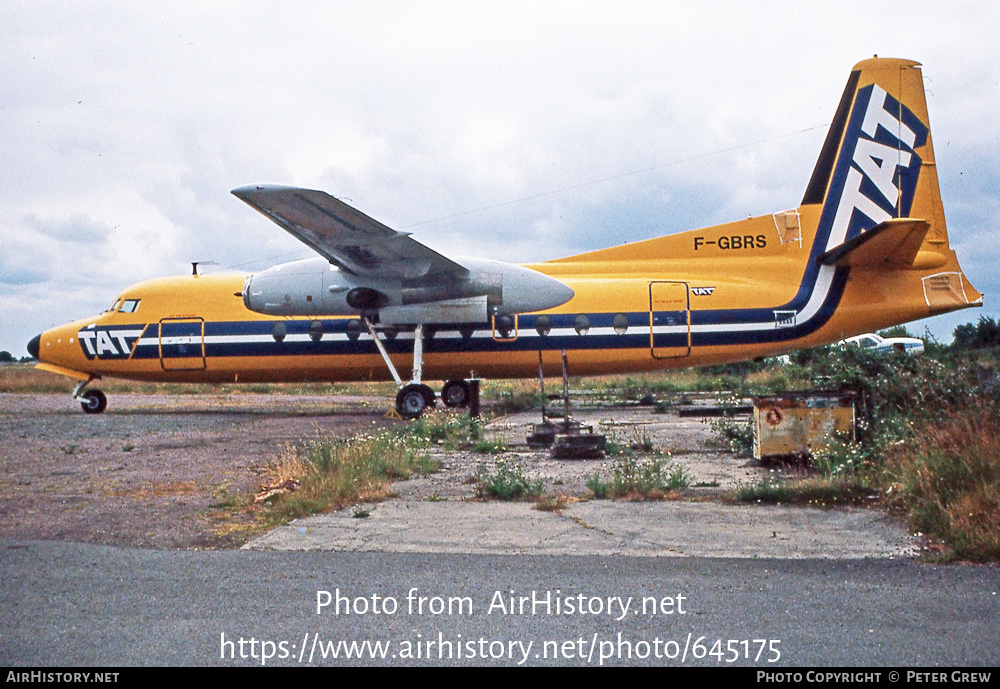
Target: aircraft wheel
<point>413,400</point>
<point>455,393</point>
<point>94,402</point>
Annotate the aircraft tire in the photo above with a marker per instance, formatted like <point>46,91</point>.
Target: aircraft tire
<point>413,400</point>
<point>94,402</point>
<point>455,393</point>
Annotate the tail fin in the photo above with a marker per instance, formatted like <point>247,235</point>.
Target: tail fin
<point>877,175</point>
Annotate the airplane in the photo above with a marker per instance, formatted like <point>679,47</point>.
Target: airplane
<point>867,248</point>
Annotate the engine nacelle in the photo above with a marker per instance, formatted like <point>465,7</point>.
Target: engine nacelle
<point>315,287</point>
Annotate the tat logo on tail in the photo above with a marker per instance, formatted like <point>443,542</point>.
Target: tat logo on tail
<point>876,175</point>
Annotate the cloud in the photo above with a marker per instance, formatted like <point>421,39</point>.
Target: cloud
<point>522,131</point>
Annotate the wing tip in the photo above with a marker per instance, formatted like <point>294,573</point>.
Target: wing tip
<point>249,190</point>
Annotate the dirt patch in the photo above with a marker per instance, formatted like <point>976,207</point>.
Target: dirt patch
<point>149,470</point>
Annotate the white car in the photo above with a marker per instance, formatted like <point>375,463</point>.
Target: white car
<point>910,345</point>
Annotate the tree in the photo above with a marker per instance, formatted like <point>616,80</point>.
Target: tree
<point>985,333</point>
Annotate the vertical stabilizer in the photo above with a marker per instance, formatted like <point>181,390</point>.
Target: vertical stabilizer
<point>877,169</point>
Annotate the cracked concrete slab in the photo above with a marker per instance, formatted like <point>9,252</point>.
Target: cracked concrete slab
<point>647,529</point>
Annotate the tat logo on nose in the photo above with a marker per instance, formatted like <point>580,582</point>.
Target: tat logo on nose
<point>108,343</point>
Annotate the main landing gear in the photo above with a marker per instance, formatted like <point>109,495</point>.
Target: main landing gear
<point>415,397</point>
<point>92,401</point>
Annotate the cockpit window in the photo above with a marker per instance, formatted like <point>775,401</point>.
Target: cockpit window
<point>129,306</point>
<point>114,307</point>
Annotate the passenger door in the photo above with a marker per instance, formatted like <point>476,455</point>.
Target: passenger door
<point>669,319</point>
<point>182,344</point>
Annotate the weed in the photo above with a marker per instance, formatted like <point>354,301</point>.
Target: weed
<point>452,431</point>
<point>506,481</point>
<point>490,447</point>
<point>640,479</point>
<point>736,432</point>
<point>650,478</point>
<point>551,503</point>
<point>361,512</point>
<point>600,488</point>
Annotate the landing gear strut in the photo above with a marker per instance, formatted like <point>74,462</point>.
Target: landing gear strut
<point>413,398</point>
<point>92,401</point>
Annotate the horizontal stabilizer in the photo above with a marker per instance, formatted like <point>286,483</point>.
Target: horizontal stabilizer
<point>893,243</point>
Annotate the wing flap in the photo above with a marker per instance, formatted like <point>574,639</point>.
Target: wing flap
<point>890,244</point>
<point>345,236</point>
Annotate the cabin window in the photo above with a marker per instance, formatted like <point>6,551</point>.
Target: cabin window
<point>129,306</point>
<point>620,323</point>
<point>581,324</point>
<point>353,329</point>
<point>543,325</point>
<point>316,331</point>
<point>279,331</point>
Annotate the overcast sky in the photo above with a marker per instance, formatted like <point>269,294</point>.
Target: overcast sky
<point>518,131</point>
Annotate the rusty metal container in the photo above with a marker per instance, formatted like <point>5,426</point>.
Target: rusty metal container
<point>795,424</point>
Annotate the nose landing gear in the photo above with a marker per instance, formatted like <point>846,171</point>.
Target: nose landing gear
<point>92,401</point>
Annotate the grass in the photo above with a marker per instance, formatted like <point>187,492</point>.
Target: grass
<point>947,482</point>
<point>333,473</point>
<point>808,491</point>
<point>26,379</point>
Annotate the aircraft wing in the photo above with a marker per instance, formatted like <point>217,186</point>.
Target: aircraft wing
<point>348,238</point>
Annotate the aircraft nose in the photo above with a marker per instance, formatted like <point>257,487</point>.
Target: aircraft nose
<point>33,345</point>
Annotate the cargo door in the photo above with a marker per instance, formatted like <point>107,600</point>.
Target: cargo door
<point>182,344</point>
<point>669,319</point>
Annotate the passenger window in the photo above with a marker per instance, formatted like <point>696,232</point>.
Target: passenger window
<point>129,306</point>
